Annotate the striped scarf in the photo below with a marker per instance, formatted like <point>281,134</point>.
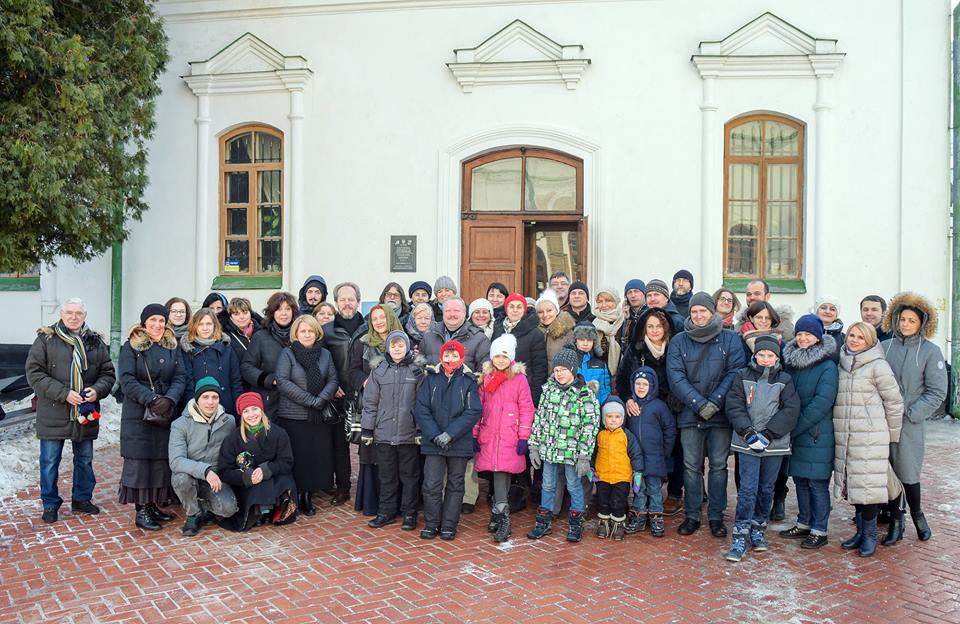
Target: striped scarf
<point>79,360</point>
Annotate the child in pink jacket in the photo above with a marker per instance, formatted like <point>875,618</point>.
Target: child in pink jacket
<point>502,432</point>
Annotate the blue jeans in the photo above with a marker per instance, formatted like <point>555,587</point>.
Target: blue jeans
<point>717,442</point>
<point>649,498</point>
<point>83,480</point>
<point>813,501</point>
<point>548,487</point>
<point>755,498</point>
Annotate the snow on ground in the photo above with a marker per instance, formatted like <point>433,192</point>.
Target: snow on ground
<point>20,448</point>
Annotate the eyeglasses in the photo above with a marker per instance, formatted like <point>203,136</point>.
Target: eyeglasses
<point>177,312</point>
<point>725,299</point>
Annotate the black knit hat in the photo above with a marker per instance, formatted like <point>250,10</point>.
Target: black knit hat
<point>567,358</point>
<point>418,286</point>
<point>766,343</point>
<point>153,309</point>
<point>578,285</point>
<point>685,274</point>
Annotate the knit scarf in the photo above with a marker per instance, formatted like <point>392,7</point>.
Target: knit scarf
<point>608,324</point>
<point>350,325</point>
<point>179,331</point>
<point>729,320</point>
<point>307,359</point>
<point>256,429</point>
<point>656,351</point>
<point>508,325</point>
<point>281,332</point>
<point>494,379</point>
<point>78,362</point>
<point>248,330</point>
<point>706,333</point>
<point>680,300</point>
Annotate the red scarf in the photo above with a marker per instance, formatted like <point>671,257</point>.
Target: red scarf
<point>494,380</point>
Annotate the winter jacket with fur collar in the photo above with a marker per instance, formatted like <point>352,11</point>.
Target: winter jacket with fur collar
<point>559,334</point>
<point>815,377</point>
<point>506,419</point>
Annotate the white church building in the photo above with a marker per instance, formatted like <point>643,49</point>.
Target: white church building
<point>805,143</point>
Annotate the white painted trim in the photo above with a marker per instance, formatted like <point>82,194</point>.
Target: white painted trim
<point>449,203</point>
<point>174,11</point>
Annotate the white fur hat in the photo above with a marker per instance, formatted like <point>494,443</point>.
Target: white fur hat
<point>504,345</point>
<point>549,296</point>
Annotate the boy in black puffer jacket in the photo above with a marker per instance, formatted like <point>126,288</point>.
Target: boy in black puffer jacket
<point>763,408</point>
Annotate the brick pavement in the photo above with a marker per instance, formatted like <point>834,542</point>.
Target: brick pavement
<point>332,568</point>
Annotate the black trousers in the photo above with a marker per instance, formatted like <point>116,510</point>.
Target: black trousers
<point>341,460</point>
<point>441,505</point>
<point>612,498</point>
<point>398,464</point>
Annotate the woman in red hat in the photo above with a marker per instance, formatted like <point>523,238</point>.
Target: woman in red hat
<point>258,462</point>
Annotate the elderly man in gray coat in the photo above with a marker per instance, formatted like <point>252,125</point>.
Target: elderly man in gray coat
<point>69,369</point>
<point>195,440</point>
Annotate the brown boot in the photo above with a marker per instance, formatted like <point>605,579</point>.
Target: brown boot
<point>672,506</point>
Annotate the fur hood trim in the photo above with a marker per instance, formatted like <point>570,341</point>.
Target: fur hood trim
<point>560,327</point>
<point>187,347</point>
<point>48,331</point>
<point>140,340</point>
<point>891,317</point>
<point>795,357</point>
<point>518,368</point>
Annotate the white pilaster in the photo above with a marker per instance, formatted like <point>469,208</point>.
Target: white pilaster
<point>821,171</point>
<point>711,217</point>
<point>202,243</point>
<point>295,216</point>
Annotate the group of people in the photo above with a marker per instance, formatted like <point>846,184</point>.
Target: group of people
<point>245,419</point>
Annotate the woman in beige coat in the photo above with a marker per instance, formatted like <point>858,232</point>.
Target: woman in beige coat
<point>866,419</point>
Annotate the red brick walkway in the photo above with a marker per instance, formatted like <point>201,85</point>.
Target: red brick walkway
<point>333,568</point>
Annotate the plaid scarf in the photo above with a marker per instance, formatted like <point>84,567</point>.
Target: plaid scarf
<point>79,360</point>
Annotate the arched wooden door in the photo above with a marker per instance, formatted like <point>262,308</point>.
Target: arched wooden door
<point>522,218</point>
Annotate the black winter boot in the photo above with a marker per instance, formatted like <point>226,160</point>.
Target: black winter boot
<point>603,526</point>
<point>544,520</point>
<point>495,520</point>
<point>656,525</point>
<point>923,529</point>
<point>868,542</point>
<point>503,529</point>
<point>306,504</point>
<point>634,522</point>
<point>778,511</point>
<point>895,532</point>
<point>158,514</point>
<point>854,541</point>
<point>145,519</point>
<point>575,526</point>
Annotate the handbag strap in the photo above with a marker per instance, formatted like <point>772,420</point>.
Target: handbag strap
<point>149,377</point>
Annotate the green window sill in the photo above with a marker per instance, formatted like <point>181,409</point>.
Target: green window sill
<point>784,286</point>
<point>19,283</point>
<point>247,282</point>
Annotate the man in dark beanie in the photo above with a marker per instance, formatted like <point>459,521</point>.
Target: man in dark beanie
<point>579,299</point>
<point>682,291</point>
<point>701,365</point>
<point>658,296</point>
<point>69,369</point>
<point>634,304</point>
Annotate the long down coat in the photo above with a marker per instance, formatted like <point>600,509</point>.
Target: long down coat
<point>919,368</point>
<point>815,377</point>
<point>506,419</point>
<point>866,419</point>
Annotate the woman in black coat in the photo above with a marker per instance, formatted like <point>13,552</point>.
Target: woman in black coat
<point>307,381</point>
<point>257,461</point>
<point>152,374</point>
<point>531,343</point>
<point>238,323</point>
<point>207,353</point>
<point>259,364</point>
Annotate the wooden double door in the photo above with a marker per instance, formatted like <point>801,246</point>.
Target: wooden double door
<point>520,251</point>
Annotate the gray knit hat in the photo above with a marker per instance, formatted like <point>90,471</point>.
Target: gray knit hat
<point>567,358</point>
<point>444,282</point>
<point>703,299</point>
<point>611,405</point>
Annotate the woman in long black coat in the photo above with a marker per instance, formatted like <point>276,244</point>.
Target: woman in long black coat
<point>259,364</point>
<point>152,374</point>
<point>257,461</point>
<point>307,381</point>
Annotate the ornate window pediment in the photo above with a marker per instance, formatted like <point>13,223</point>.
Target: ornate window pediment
<point>248,64</point>
<point>519,54</point>
<point>768,47</point>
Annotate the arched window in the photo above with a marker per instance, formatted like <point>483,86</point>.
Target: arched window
<point>251,202</point>
<point>763,197</point>
<point>523,180</point>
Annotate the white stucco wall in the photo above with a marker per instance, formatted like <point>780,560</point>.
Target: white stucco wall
<point>382,109</point>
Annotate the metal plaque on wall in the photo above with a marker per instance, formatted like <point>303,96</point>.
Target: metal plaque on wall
<point>403,254</point>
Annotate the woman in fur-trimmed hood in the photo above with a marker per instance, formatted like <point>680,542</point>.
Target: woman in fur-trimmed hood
<point>919,368</point>
<point>152,374</point>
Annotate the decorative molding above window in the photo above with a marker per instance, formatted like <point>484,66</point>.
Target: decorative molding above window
<point>768,47</point>
<point>519,54</point>
<point>248,65</point>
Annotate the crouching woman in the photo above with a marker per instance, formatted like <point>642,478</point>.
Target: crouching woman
<point>258,462</point>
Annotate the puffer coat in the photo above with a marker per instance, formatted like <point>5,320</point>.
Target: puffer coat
<point>48,372</point>
<point>451,405</point>
<point>259,367</point>
<point>867,417</point>
<point>921,373</point>
<point>815,378</point>
<point>506,419</point>
<point>389,399</point>
<point>655,427</point>
<point>164,361</point>
<point>296,402</point>
<point>216,360</point>
<point>566,422</point>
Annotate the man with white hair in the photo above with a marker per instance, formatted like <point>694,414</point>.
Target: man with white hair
<point>69,369</point>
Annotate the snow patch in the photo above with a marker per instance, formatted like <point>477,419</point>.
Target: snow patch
<point>944,507</point>
<point>478,573</point>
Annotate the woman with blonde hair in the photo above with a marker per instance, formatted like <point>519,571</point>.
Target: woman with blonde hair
<point>867,418</point>
<point>307,380</point>
<point>608,318</point>
<point>207,353</point>
<point>257,461</point>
